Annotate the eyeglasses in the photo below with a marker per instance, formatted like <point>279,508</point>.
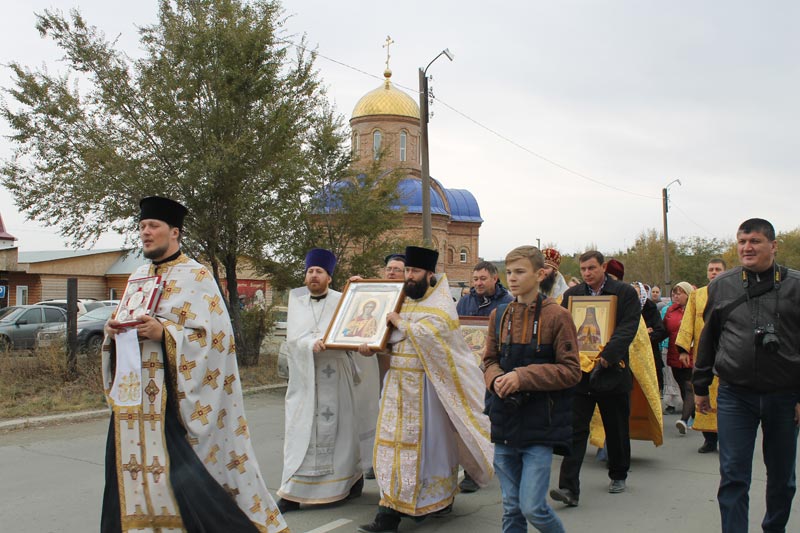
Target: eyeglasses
<point>395,269</point>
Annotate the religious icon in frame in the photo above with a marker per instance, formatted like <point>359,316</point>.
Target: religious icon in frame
<point>595,319</point>
<point>475,330</point>
<point>140,298</point>
<point>360,317</point>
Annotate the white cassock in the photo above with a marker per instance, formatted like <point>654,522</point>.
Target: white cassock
<point>331,407</point>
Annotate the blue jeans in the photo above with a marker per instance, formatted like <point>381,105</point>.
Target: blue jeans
<point>739,413</point>
<point>524,475</point>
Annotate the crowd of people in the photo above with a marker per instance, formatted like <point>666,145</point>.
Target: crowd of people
<point>416,413</point>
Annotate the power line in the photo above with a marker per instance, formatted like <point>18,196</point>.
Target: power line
<point>485,127</point>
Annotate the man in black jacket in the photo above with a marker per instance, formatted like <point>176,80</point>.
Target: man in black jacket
<point>751,342</point>
<point>614,404</point>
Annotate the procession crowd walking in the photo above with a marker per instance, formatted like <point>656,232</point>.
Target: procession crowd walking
<point>565,365</point>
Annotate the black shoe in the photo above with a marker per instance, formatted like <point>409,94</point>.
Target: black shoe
<point>356,489</point>
<point>707,447</point>
<point>369,474</point>
<point>383,523</point>
<point>565,496</point>
<point>285,506</point>
<point>616,486</point>
<point>443,512</point>
<point>468,484</point>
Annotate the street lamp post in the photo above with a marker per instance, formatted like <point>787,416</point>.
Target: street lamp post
<point>427,232</point>
<point>665,202</point>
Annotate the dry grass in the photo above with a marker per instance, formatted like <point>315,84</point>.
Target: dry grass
<point>36,384</point>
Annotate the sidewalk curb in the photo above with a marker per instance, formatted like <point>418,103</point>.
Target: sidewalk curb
<point>50,420</point>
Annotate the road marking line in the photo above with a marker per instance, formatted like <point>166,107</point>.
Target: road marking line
<point>331,526</point>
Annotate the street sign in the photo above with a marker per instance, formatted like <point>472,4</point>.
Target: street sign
<point>3,291</point>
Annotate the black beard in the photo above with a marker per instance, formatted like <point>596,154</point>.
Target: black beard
<point>416,289</point>
<point>155,253</point>
<point>547,283</point>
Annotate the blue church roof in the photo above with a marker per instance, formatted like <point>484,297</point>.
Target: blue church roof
<point>463,206</point>
<point>410,197</point>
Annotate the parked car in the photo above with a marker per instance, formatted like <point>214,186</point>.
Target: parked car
<point>84,305</point>
<point>113,303</point>
<point>90,331</point>
<point>20,324</point>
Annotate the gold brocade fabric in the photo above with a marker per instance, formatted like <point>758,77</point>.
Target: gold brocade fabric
<point>646,422</point>
<point>202,363</point>
<point>689,338</point>
<point>431,354</point>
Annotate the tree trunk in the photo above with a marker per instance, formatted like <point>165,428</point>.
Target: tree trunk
<point>244,353</point>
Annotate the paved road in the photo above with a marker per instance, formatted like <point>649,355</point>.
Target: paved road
<point>51,480</point>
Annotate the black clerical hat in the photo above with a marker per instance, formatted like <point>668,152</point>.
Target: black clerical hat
<point>163,209</point>
<point>423,258</point>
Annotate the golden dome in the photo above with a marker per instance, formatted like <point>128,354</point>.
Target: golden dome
<point>386,100</point>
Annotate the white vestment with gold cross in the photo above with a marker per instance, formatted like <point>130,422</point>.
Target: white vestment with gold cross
<point>331,407</point>
<point>431,415</point>
<point>202,363</point>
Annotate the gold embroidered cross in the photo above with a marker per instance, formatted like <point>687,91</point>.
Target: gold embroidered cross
<point>232,347</point>
<point>156,469</point>
<point>200,273</point>
<point>272,517</point>
<point>152,364</point>
<point>237,461</point>
<point>152,417</point>
<point>132,467</point>
<point>212,455</point>
<point>211,378</point>
<point>130,416</point>
<point>186,368</point>
<point>152,391</point>
<point>242,429</point>
<point>228,382</point>
<point>220,418</point>
<point>193,441</point>
<point>199,336</point>
<point>201,412</point>
<point>234,492</point>
<point>170,289</point>
<point>184,313</point>
<point>213,304</point>
<point>216,341</point>
<point>256,507</point>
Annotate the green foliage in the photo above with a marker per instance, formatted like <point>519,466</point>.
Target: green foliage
<point>789,248</point>
<point>257,322</point>
<point>215,115</point>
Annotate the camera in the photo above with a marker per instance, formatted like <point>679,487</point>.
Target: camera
<point>767,338</point>
<point>517,399</point>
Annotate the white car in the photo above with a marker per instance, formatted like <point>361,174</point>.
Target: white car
<point>84,305</point>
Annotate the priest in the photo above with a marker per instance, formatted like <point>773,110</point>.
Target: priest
<point>329,426</point>
<point>179,455</point>
<point>431,417</point>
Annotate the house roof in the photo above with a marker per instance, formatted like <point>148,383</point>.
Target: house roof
<point>54,255</point>
<point>127,263</point>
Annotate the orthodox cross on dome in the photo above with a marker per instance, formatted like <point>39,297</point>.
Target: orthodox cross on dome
<point>389,42</point>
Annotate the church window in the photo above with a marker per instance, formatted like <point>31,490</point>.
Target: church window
<point>403,137</point>
<point>354,144</point>
<point>376,144</point>
<point>451,255</point>
<point>463,254</point>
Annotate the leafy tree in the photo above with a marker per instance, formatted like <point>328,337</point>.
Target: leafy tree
<point>692,258</point>
<point>215,115</point>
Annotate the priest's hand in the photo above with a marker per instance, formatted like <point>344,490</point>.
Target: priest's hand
<point>355,278</point>
<point>112,327</point>
<point>393,319</point>
<point>506,384</point>
<point>365,350</point>
<point>702,404</point>
<point>319,346</point>
<point>149,328</point>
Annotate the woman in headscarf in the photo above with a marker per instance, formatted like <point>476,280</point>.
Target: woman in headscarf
<point>681,363</point>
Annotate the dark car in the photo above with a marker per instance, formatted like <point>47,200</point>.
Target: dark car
<point>90,331</point>
<point>20,324</point>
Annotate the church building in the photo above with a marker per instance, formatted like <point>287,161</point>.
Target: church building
<point>388,120</point>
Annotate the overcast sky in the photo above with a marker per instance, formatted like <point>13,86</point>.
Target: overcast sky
<point>629,94</point>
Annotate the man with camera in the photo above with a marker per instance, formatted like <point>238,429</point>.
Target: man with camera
<point>751,342</point>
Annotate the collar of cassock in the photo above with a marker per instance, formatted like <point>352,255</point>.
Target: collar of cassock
<point>173,257</point>
<point>320,297</point>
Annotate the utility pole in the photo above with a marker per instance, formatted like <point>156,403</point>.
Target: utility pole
<point>427,232</point>
<point>665,209</point>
